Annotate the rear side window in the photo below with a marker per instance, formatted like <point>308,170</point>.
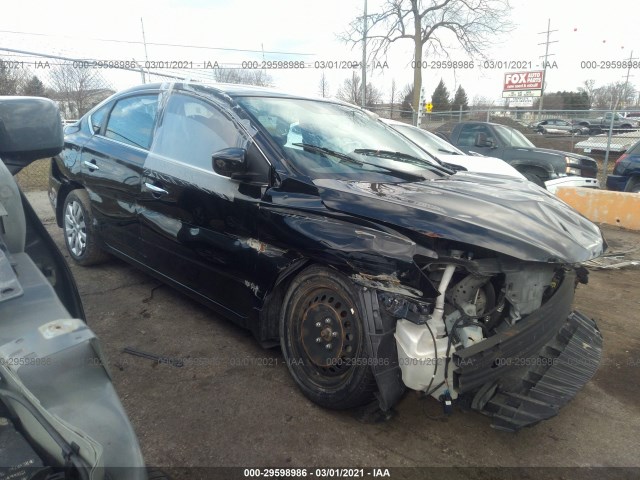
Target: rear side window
<point>132,119</point>
<point>468,134</point>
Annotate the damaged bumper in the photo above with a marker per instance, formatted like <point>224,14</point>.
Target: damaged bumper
<point>519,376</point>
<point>528,372</point>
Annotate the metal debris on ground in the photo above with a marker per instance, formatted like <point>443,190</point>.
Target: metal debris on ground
<point>613,261</point>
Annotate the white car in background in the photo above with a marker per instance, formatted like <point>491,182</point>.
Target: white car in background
<point>448,154</point>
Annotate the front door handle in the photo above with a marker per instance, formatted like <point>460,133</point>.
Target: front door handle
<point>91,165</point>
<point>155,189</point>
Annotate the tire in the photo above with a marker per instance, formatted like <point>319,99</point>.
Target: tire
<point>532,177</point>
<point>634,187</point>
<point>79,230</point>
<point>320,309</point>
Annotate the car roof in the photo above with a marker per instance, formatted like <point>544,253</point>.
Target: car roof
<point>229,89</point>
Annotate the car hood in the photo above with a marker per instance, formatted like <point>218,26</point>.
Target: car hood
<point>548,151</point>
<point>481,164</point>
<point>513,217</point>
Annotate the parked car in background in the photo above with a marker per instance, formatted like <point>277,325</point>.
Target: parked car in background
<point>621,123</point>
<point>546,167</point>
<point>559,125</point>
<point>323,231</point>
<point>60,416</point>
<point>449,155</point>
<point>626,173</point>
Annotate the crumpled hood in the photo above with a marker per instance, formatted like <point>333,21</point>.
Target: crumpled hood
<point>513,217</point>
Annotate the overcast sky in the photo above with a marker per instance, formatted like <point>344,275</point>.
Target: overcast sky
<point>308,30</point>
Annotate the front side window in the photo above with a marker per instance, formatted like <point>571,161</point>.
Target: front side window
<point>132,119</point>
<point>192,130</point>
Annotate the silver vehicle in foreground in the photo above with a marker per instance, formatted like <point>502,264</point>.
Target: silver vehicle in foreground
<point>60,417</point>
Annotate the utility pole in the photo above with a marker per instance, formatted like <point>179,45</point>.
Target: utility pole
<point>146,56</point>
<point>626,81</point>
<point>546,55</point>
<point>364,57</point>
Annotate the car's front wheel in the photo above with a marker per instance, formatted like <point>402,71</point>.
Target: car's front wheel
<point>322,335</point>
<point>635,187</point>
<point>79,232</point>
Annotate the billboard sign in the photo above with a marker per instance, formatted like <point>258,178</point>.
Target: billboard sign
<point>515,81</point>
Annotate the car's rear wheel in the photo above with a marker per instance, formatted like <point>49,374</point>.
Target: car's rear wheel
<point>79,232</point>
<point>322,335</point>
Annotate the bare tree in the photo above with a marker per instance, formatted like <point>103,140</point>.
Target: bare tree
<point>11,79</point>
<point>588,87</point>
<point>613,95</point>
<point>323,86</point>
<point>351,91</point>
<point>431,25</point>
<point>78,89</point>
<point>247,77</point>
<point>479,102</point>
<point>394,96</point>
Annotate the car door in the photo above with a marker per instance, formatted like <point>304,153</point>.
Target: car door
<point>197,227</point>
<point>111,166</point>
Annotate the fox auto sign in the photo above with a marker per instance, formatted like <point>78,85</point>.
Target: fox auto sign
<point>523,81</point>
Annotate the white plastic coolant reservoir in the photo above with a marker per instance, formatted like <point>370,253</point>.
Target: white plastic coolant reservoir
<point>417,355</point>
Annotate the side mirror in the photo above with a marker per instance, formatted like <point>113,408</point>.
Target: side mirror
<point>230,162</point>
<point>30,128</point>
<point>483,141</point>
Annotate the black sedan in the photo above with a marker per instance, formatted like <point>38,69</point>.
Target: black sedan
<point>323,231</point>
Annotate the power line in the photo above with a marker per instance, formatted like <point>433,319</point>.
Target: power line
<point>136,42</point>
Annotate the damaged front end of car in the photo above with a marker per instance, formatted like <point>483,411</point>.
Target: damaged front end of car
<point>499,335</point>
<point>479,309</point>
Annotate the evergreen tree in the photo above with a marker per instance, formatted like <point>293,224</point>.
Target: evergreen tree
<point>34,87</point>
<point>440,98</point>
<point>460,100</point>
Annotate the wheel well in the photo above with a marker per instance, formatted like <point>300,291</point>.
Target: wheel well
<point>64,190</point>
<point>538,171</point>
<point>269,321</point>
<point>632,182</point>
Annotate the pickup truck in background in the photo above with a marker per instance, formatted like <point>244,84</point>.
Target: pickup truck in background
<point>545,167</point>
<point>603,123</point>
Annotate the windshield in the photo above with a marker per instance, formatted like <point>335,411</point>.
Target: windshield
<point>513,137</point>
<point>427,140</point>
<point>329,140</point>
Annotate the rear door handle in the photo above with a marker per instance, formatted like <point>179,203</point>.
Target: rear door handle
<point>91,165</point>
<point>155,189</point>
